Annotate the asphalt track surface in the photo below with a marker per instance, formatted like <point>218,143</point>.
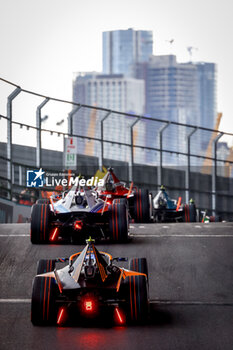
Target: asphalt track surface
<point>191,290</point>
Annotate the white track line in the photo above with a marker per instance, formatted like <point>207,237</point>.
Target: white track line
<point>157,302</point>
<point>181,235</point>
<point>191,302</point>
<point>15,235</point>
<point>7,301</point>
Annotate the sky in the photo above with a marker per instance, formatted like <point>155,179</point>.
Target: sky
<point>43,42</point>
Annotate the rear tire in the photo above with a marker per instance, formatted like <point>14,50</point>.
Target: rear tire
<point>215,219</point>
<point>40,223</point>
<point>190,214</point>
<point>141,211</point>
<point>138,299</point>
<point>42,201</point>
<point>44,266</point>
<point>43,311</point>
<point>118,222</point>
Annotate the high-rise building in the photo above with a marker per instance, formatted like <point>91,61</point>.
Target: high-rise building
<point>115,92</point>
<point>123,48</point>
<point>207,98</point>
<point>181,92</point>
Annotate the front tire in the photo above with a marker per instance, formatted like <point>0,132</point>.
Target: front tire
<point>44,266</point>
<point>139,265</point>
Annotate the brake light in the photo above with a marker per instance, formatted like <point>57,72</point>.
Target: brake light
<point>88,305</point>
<point>119,316</point>
<point>60,316</point>
<point>78,225</point>
<point>54,234</point>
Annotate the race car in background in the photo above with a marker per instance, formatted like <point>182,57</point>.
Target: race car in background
<point>74,214</point>
<point>138,201</point>
<point>166,209</point>
<point>90,287</point>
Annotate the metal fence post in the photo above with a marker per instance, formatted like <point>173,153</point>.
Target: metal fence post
<point>9,136</point>
<point>160,168</point>
<point>132,150</point>
<point>101,159</point>
<point>214,173</point>
<point>187,172</point>
<point>20,176</point>
<point>70,119</point>
<point>38,139</point>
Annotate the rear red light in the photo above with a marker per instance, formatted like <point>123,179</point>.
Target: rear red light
<point>78,225</point>
<point>120,317</point>
<point>88,305</point>
<point>61,316</point>
<point>54,234</point>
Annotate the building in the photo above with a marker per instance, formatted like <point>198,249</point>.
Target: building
<point>114,92</point>
<point>207,97</point>
<point>123,48</point>
<point>181,92</point>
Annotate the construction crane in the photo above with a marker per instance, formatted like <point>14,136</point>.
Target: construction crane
<point>171,41</point>
<point>190,51</point>
<point>207,164</point>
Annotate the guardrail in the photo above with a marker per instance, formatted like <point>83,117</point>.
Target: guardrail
<point>130,142</point>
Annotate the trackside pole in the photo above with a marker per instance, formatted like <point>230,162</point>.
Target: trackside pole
<point>214,173</point>
<point>188,168</point>
<point>131,177</point>
<point>160,167</point>
<point>38,138</point>
<point>10,98</point>
<point>101,158</point>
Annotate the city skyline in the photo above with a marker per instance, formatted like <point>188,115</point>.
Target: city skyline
<point>52,40</point>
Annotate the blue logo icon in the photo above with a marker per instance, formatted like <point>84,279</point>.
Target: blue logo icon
<point>35,178</point>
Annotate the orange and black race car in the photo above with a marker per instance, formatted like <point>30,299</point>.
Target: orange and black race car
<point>138,201</point>
<point>72,215</point>
<point>90,287</point>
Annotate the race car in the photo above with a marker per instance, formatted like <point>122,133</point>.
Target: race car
<point>71,216</point>
<point>90,287</point>
<point>166,209</point>
<point>139,201</point>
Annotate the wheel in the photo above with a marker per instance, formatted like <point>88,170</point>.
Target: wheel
<point>121,200</point>
<point>40,220</point>
<point>42,201</point>
<point>138,303</point>
<point>44,266</point>
<point>139,265</point>
<point>141,211</point>
<point>43,310</point>
<point>215,219</point>
<point>118,222</point>
<point>189,214</point>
